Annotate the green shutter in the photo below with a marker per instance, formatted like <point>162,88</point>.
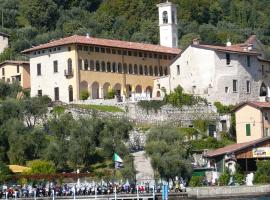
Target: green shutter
<point>248,133</point>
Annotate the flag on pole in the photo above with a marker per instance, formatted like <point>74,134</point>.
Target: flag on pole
<point>118,162</point>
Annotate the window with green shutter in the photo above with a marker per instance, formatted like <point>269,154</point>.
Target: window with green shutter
<point>248,132</point>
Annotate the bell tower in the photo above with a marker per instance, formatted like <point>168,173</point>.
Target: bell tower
<point>168,24</point>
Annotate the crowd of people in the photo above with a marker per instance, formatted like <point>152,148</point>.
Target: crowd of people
<point>71,189</point>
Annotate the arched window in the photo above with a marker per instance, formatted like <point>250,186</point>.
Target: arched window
<point>130,69</point>
<point>156,71</point>
<point>263,90</point>
<point>141,70</point>
<point>160,71</point>
<point>120,68</point>
<point>70,93</point>
<point>97,66</point>
<point>165,17</point>
<point>145,70</point>
<point>103,66</point>
<point>173,17</point>
<point>92,65</point>
<point>80,64</point>
<point>135,69</point>
<point>114,67</point>
<point>125,68</point>
<point>166,71</point>
<point>85,64</point>
<point>108,67</point>
<point>151,71</point>
<point>69,65</point>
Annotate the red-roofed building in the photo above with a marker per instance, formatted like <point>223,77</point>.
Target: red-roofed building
<point>63,68</point>
<point>252,121</point>
<point>229,74</point>
<point>245,154</point>
<point>16,71</point>
<point>66,67</point>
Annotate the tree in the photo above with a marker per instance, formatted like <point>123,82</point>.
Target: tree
<point>41,167</point>
<point>166,147</point>
<point>113,136</point>
<point>35,110</point>
<point>40,13</point>
<point>187,39</point>
<point>5,172</point>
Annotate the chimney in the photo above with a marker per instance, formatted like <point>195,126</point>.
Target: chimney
<point>87,35</point>
<point>228,44</point>
<point>196,41</point>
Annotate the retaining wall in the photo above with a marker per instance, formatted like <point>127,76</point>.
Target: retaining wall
<point>228,191</point>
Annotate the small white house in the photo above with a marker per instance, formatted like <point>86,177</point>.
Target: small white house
<point>3,41</point>
<point>229,74</point>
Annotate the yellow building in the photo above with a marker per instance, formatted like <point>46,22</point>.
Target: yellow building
<point>63,68</point>
<point>252,121</point>
<point>11,71</point>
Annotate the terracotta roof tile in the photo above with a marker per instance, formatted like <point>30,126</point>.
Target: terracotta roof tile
<point>234,48</point>
<point>17,62</point>
<point>76,39</point>
<point>254,104</point>
<point>234,147</point>
<point>4,34</point>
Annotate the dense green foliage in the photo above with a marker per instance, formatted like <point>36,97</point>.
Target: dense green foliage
<point>31,22</point>
<point>179,99</point>
<point>58,142</point>
<point>151,105</point>
<point>41,167</point>
<point>222,109</point>
<point>5,172</point>
<point>111,94</point>
<point>210,142</point>
<point>168,152</point>
<point>84,94</point>
<point>262,174</point>
<point>196,181</point>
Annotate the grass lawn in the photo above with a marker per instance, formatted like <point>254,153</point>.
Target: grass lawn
<point>99,107</point>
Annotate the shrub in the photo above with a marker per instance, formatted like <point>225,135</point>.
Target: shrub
<point>222,109</point>
<point>111,94</point>
<point>262,174</point>
<point>84,94</point>
<point>196,181</point>
<point>224,178</point>
<point>41,167</point>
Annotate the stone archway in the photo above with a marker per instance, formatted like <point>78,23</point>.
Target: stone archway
<point>95,90</point>
<point>106,88</point>
<point>129,90</point>
<point>149,91</point>
<point>263,90</point>
<point>138,89</point>
<point>83,85</point>
<point>158,94</point>
<point>117,87</point>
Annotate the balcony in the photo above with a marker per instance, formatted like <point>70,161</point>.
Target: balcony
<point>68,73</point>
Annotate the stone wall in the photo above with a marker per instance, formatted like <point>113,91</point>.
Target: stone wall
<point>169,114</point>
<point>228,191</point>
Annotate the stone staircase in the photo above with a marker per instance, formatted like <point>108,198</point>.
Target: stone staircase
<point>144,170</point>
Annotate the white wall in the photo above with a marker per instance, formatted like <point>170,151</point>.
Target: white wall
<point>196,69</point>
<point>204,72</point>
<point>48,79</point>
<point>3,43</point>
<point>168,32</point>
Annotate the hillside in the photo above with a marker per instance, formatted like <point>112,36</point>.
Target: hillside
<point>31,22</point>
